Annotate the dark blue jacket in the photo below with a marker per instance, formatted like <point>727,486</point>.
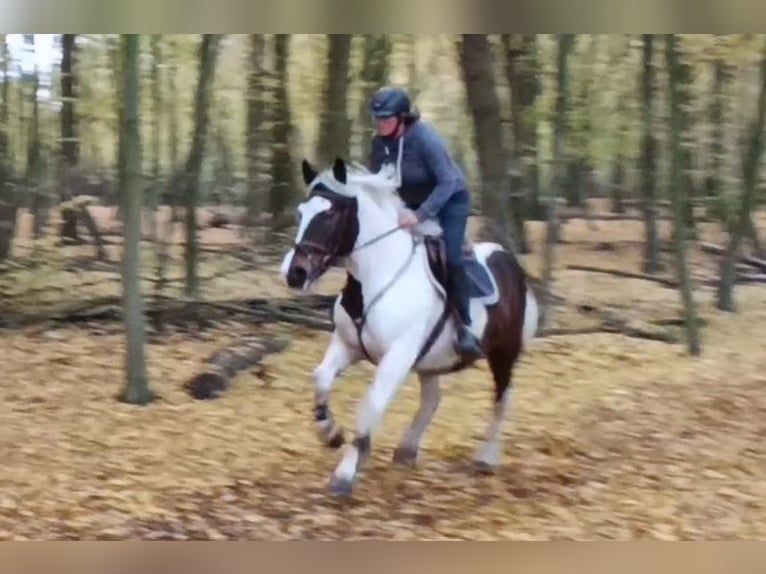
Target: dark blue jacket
<point>429,175</point>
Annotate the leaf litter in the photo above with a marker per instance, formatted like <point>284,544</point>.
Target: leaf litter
<point>608,437</point>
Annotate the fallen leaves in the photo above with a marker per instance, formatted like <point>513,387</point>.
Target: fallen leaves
<point>607,438</point>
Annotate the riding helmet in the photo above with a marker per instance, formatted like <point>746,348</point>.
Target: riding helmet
<point>389,102</point>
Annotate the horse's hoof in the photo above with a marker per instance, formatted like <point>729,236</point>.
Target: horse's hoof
<point>341,487</point>
<point>333,438</point>
<point>484,467</point>
<point>405,456</point>
<point>336,439</point>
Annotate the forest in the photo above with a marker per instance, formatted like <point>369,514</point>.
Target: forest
<point>159,369</point>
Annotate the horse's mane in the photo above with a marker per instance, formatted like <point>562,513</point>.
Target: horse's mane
<point>381,187</point>
<point>358,178</point>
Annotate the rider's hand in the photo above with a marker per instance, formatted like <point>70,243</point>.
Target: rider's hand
<point>408,219</point>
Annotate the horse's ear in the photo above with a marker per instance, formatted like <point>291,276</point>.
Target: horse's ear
<point>339,170</point>
<point>309,173</point>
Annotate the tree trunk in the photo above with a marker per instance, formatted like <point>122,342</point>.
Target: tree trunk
<point>565,43</point>
<point>579,137</point>
<point>677,188</point>
<point>649,160</point>
<point>154,198</point>
<point>136,390</point>
<point>173,185</point>
<point>721,75</point>
<point>478,76</point>
<point>70,142</point>
<point>257,134</point>
<point>283,177</point>
<point>208,52</point>
<point>335,126</point>
<point>725,299</point>
<point>521,72</point>
<point>374,74</point>
<point>7,195</point>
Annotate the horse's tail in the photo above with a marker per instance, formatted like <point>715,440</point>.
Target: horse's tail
<point>531,318</point>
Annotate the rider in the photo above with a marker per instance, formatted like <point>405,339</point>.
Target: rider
<point>432,186</point>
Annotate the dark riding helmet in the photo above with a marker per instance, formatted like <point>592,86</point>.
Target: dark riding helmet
<point>390,102</point>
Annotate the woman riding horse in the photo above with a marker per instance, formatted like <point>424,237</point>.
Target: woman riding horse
<point>431,185</point>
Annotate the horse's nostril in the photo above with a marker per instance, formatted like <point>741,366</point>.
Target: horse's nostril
<point>297,276</point>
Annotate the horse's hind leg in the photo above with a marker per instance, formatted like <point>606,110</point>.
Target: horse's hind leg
<point>337,357</point>
<point>430,394</point>
<point>501,362</point>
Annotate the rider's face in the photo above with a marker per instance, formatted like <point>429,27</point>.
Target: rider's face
<point>387,126</point>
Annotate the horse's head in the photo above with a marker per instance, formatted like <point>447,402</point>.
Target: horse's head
<point>328,225</point>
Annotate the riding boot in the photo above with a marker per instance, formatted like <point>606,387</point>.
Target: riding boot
<point>467,344</point>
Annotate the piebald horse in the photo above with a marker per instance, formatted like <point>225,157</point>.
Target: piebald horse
<point>395,309</point>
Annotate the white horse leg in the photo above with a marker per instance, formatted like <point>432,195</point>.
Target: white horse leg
<point>336,359</point>
<point>501,364</point>
<point>390,375</point>
<point>490,452</point>
<point>430,394</point>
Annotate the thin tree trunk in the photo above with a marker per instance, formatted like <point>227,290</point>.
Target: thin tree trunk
<point>257,135</point>
<point>524,88</point>
<point>374,74</point>
<point>677,188</point>
<point>335,126</point>
<point>478,77</point>
<point>172,187</point>
<point>565,43</point>
<point>725,299</point>
<point>649,160</point>
<point>154,198</point>
<point>721,75</point>
<point>208,53</point>
<point>283,178</point>
<point>70,142</point>
<point>136,390</point>
<point>7,195</point>
<point>34,175</point>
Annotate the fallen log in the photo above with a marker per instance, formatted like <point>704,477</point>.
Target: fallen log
<point>625,330</point>
<point>225,364</point>
<point>665,281</point>
<point>746,259</point>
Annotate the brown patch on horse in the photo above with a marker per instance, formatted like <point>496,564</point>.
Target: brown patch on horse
<point>351,298</point>
<point>505,322</point>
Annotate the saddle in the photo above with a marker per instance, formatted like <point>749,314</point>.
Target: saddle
<point>480,284</point>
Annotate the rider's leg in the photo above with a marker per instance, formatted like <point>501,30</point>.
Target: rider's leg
<point>453,219</point>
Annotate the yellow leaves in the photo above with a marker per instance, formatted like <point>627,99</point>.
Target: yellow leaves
<point>607,437</point>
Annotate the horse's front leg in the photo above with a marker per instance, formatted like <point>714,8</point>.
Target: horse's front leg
<point>391,373</point>
<point>336,359</point>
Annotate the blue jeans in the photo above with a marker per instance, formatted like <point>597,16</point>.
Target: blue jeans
<point>453,218</point>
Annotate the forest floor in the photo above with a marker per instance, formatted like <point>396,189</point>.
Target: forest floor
<point>609,437</point>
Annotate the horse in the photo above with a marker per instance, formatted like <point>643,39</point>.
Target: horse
<point>395,309</point>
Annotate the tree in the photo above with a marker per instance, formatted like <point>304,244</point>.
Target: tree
<point>725,298</point>
<point>478,76</point>
<point>649,159</point>
<point>565,43</point>
<point>335,126</point>
<point>676,80</point>
<point>374,74</point>
<point>521,72</point>
<point>157,116</point>
<point>136,390</point>
<point>257,134</point>
<point>282,168</point>
<point>208,53</point>
<point>70,143</point>
<point>7,195</point>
